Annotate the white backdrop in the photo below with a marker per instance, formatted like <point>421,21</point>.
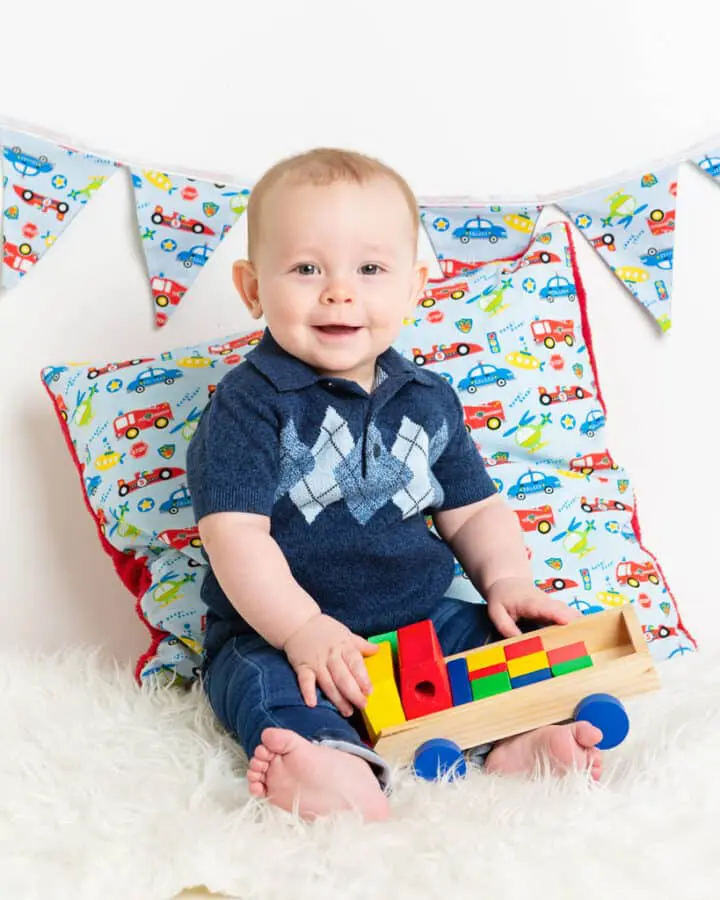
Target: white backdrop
<point>475,101</point>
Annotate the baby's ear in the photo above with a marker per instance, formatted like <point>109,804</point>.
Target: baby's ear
<point>246,283</point>
<point>422,270</point>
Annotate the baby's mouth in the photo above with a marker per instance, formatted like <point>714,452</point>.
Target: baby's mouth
<point>338,329</point>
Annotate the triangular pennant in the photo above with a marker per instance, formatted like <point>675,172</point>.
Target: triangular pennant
<point>182,221</point>
<point>477,234</point>
<point>45,186</point>
<point>631,225</point>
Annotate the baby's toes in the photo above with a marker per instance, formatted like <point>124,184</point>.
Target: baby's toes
<point>263,754</point>
<point>258,765</point>
<point>253,776</point>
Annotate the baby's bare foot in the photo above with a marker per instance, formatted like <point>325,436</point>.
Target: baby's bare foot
<point>563,746</point>
<point>288,769</point>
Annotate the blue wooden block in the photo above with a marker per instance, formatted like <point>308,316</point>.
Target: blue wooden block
<point>457,670</point>
<point>531,678</point>
<point>438,757</point>
<point>606,713</point>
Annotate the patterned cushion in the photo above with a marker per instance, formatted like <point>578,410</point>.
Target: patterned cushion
<point>514,341</point>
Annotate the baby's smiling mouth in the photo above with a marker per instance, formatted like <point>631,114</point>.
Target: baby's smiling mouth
<point>337,329</point>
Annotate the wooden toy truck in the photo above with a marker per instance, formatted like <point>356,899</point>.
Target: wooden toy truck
<point>410,681</point>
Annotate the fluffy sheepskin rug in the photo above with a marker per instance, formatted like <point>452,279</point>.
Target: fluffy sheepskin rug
<point>107,791</point>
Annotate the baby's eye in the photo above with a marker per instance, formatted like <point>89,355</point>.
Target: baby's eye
<point>305,266</point>
<point>374,266</point>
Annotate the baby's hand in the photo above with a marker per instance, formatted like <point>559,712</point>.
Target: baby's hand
<point>516,598</point>
<point>326,654</point>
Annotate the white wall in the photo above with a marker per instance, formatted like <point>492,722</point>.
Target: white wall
<point>503,103</point>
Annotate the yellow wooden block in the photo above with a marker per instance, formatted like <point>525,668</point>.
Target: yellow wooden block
<point>525,664</point>
<point>383,708</point>
<point>482,659</point>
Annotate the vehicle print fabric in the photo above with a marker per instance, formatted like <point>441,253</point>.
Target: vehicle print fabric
<point>45,185</point>
<point>182,221</point>
<point>512,339</point>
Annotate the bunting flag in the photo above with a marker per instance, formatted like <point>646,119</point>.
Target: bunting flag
<point>45,186</point>
<point>182,221</point>
<point>631,225</point>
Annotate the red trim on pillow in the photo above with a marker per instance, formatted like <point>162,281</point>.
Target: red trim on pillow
<point>587,334</point>
<point>132,570</point>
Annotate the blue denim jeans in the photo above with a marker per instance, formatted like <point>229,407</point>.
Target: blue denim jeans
<point>251,686</point>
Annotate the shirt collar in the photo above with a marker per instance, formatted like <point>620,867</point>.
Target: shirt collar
<point>288,373</point>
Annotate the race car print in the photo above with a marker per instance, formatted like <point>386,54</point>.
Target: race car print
<point>549,585</point>
<point>489,415</point>
<point>562,394</point>
<point>179,221</point>
<point>44,204</point>
<point>658,632</point>
<point>248,340</point>
<point>539,256</point>
<point>442,352</point>
<point>148,477</point>
<point>605,242</point>
<point>93,372</point>
<point>598,505</point>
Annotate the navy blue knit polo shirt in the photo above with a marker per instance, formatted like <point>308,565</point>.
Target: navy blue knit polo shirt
<point>345,476</point>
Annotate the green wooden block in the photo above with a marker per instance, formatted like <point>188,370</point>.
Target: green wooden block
<point>388,636</point>
<point>490,685</point>
<point>572,665</point>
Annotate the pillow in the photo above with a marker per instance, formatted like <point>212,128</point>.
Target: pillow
<point>511,337</point>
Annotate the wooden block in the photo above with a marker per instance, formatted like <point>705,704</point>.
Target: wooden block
<point>459,681</point>
<point>572,665</point>
<point>531,678</point>
<point>490,670</point>
<point>383,708</point>
<point>523,648</point>
<point>484,658</point>
<point>569,651</point>
<point>424,683</point>
<point>488,687</point>
<point>525,664</point>
<point>390,636</point>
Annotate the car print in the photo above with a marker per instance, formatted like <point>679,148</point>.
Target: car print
<point>558,286</point>
<point>539,256</point>
<point>19,257</point>
<point>44,204</point>
<point>541,519</point>
<point>598,505</point>
<point>454,267</point>
<point>166,291</point>
<point>479,229</point>
<point>151,476</point>
<point>606,241</point>
<point>592,462</point>
<point>562,394</point>
<point>61,407</point>
<point>489,415</point>
<point>152,376</point>
<point>26,164</point>
<point>533,482</point>
<point>555,584</point>
<point>483,374</point>
<point>441,352</point>
<point>633,573</point>
<point>500,458</point>
<point>179,221</point>
<point>93,372</point>
<point>195,256</point>
<point>248,340</point>
<point>431,295</point>
<point>594,421</point>
<point>660,222</point>
<point>179,499</point>
<point>53,373</point>
<point>661,259</point>
<point>130,424</point>
<point>550,331</point>
<point>179,538</point>
<point>658,632</point>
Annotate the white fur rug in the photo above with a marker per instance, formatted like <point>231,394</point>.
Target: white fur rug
<point>110,792</point>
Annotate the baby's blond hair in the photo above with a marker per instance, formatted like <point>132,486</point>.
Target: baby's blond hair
<point>323,166</point>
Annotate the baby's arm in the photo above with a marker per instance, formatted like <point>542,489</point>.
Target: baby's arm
<point>256,578</point>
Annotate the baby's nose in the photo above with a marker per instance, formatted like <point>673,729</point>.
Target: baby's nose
<point>336,296</point>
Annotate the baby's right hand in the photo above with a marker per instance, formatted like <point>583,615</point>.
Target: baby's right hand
<point>326,654</point>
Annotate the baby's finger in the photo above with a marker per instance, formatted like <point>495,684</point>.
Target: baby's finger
<point>356,664</point>
<point>331,691</point>
<point>367,648</point>
<point>345,681</point>
<point>503,621</point>
<point>307,683</point>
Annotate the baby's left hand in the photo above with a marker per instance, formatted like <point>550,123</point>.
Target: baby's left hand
<point>511,599</point>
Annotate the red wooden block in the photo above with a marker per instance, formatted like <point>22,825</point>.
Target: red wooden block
<point>523,648</point>
<point>566,653</point>
<point>488,670</point>
<point>424,682</point>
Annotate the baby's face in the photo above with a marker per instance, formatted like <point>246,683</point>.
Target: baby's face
<point>335,273</point>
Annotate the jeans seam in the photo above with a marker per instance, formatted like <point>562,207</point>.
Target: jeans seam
<point>263,688</point>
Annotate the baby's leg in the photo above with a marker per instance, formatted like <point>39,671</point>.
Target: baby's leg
<point>305,757</point>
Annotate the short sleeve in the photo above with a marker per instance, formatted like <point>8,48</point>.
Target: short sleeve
<point>233,457</point>
<point>459,468</point>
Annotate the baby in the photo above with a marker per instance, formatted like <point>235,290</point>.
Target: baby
<point>311,472</point>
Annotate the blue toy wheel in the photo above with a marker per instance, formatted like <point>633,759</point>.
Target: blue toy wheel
<point>438,757</point>
<point>606,713</point>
